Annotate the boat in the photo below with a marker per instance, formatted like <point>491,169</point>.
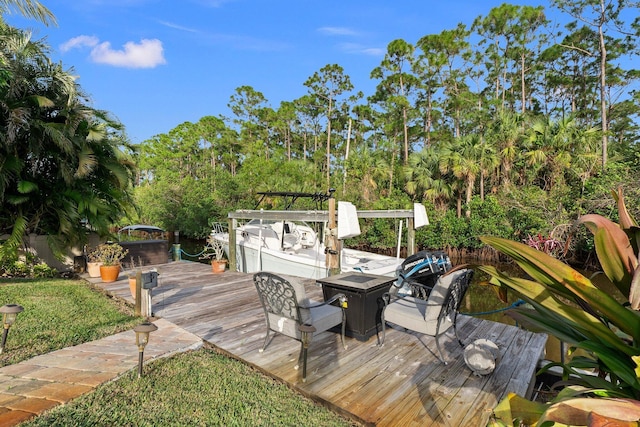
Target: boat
<point>282,243</point>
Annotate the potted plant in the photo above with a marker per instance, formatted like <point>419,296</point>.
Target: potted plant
<point>215,252</point>
<point>110,254</point>
<point>93,263</point>
<point>133,276</point>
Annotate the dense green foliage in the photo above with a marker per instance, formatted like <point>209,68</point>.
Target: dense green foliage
<point>196,388</point>
<point>58,313</point>
<point>497,127</point>
<point>62,164</point>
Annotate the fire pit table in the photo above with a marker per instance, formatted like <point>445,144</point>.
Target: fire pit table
<point>364,298</point>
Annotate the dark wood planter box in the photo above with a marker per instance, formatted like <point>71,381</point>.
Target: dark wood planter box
<point>146,252</point>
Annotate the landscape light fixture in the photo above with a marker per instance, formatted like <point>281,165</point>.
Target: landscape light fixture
<point>307,333</point>
<point>142,338</point>
<point>9,314</point>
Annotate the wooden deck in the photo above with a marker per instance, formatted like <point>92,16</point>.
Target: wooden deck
<point>401,383</point>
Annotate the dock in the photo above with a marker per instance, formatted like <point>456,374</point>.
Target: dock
<point>400,383</point>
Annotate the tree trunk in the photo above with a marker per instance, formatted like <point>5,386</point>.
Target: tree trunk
<point>522,83</point>
<point>470,181</point>
<point>603,80</point>
<point>346,158</point>
<point>329,144</point>
<point>406,136</point>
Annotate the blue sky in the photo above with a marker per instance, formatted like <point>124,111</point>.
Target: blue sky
<point>155,64</point>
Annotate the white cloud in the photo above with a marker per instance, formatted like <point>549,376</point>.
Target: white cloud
<point>362,50</point>
<point>148,53</point>
<point>178,27</point>
<point>215,3</point>
<point>337,31</point>
<point>78,42</point>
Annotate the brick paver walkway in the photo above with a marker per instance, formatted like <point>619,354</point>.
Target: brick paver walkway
<point>33,386</point>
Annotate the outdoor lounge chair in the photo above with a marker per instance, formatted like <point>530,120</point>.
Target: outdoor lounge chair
<point>288,311</point>
<point>432,317</point>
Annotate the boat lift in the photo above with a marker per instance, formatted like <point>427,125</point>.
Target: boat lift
<point>415,218</point>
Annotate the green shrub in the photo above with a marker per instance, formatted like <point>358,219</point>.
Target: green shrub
<point>30,266</point>
<point>445,231</point>
<point>488,217</point>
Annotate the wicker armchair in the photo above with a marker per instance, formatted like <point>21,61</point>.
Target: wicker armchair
<point>432,317</point>
<point>289,312</point>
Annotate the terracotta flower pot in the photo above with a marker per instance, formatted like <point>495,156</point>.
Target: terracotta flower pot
<point>132,287</point>
<point>109,273</point>
<point>218,266</point>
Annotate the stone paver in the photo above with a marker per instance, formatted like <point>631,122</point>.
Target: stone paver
<point>12,418</point>
<point>59,392</point>
<point>31,404</point>
<point>36,385</point>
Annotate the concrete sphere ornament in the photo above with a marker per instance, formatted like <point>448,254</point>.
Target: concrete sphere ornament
<point>481,356</point>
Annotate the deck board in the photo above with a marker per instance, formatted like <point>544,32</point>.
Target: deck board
<point>400,383</point>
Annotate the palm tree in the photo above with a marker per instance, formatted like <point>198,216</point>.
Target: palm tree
<point>28,8</point>
<point>61,163</point>
<point>557,147</point>
<point>424,179</point>
<point>488,161</point>
<point>463,161</point>
<point>505,134</point>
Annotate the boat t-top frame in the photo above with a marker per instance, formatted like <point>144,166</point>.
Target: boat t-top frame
<point>291,197</point>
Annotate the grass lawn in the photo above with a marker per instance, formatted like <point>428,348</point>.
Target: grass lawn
<point>197,388</point>
<point>59,313</point>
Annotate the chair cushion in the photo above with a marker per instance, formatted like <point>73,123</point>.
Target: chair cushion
<point>407,312</point>
<point>284,325</point>
<point>325,317</point>
<point>301,296</point>
<point>322,318</point>
<point>419,315</point>
<point>438,294</point>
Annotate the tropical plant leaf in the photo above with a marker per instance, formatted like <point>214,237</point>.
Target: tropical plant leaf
<point>516,407</point>
<point>576,411</point>
<point>16,200</point>
<point>540,323</point>
<point>613,249</point>
<point>540,295</point>
<point>41,101</point>
<point>634,290</point>
<point>626,220</point>
<point>597,420</point>
<point>615,361</point>
<point>566,282</point>
<point>630,225</point>
<point>541,267</point>
<point>11,245</point>
<point>25,187</point>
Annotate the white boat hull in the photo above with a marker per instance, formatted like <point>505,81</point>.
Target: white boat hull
<point>308,262</point>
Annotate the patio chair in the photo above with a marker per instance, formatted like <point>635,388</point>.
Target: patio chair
<point>432,317</point>
<point>289,312</point>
